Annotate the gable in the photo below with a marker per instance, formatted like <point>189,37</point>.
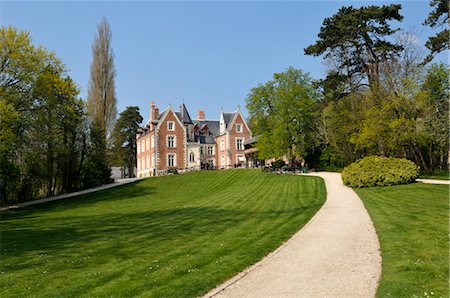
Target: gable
<point>238,118</point>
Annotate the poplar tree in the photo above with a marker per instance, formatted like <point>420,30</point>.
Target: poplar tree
<point>101,101</point>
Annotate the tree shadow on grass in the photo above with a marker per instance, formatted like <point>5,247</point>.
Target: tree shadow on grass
<point>114,235</point>
<point>122,192</point>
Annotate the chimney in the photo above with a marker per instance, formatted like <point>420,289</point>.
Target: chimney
<point>152,111</point>
<point>156,113</point>
<point>201,115</point>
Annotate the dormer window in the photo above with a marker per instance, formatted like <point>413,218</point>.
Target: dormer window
<point>239,128</point>
<point>171,125</point>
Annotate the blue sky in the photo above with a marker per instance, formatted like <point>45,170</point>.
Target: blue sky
<point>209,54</point>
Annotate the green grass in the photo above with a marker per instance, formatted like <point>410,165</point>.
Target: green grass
<point>439,174</point>
<point>412,223</point>
<point>174,236</point>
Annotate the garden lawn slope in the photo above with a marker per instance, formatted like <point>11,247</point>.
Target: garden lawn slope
<point>412,226</point>
<point>169,236</point>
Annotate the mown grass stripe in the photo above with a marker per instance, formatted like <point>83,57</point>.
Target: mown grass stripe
<point>169,236</point>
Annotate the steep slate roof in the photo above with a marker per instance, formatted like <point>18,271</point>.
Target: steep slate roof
<point>183,115</point>
<point>227,117</point>
<point>205,139</point>
<point>213,125</point>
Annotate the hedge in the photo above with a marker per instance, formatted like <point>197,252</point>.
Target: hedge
<point>380,171</point>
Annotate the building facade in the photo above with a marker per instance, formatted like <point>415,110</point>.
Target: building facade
<point>172,140</point>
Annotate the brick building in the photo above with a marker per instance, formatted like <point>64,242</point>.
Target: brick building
<point>173,140</point>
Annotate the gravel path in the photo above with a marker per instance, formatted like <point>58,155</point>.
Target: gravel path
<point>335,255</point>
<point>433,181</point>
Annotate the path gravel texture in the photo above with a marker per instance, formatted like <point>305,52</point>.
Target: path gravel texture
<point>433,181</point>
<point>337,254</point>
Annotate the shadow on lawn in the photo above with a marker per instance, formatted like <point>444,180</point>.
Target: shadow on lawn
<point>112,234</point>
<point>122,192</point>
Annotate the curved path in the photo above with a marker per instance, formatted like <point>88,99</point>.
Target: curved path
<point>335,255</point>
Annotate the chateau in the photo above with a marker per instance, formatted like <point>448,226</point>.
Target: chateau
<point>172,140</point>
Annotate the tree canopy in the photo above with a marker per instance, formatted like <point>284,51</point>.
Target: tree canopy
<point>125,138</point>
<point>42,130</point>
<point>439,17</point>
<point>102,99</point>
<point>356,39</point>
<point>283,113</point>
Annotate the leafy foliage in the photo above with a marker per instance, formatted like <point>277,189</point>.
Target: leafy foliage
<point>380,171</point>
<point>42,122</point>
<point>278,164</point>
<point>283,112</point>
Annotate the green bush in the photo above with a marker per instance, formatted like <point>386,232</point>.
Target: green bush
<point>278,164</point>
<point>173,171</point>
<point>380,171</point>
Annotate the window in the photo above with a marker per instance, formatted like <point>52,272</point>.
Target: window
<point>147,142</point>
<point>139,164</point>
<point>152,161</point>
<point>191,157</point>
<point>211,163</point>
<point>240,144</point>
<point>222,144</point>
<point>210,150</point>
<point>171,125</point>
<point>143,163</point>
<point>222,160</point>
<point>138,147</point>
<point>148,162</point>
<point>143,147</point>
<point>152,142</point>
<point>238,127</point>
<point>170,160</point>
<point>201,150</point>
<point>171,141</point>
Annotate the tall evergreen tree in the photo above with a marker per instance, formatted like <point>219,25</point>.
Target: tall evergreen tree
<point>125,138</point>
<point>357,40</point>
<point>101,99</point>
<point>439,17</point>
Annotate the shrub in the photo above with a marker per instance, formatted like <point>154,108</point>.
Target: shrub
<point>278,164</point>
<point>173,171</point>
<point>380,171</point>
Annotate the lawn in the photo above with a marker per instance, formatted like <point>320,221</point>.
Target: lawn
<point>412,223</point>
<point>174,236</point>
<point>440,175</point>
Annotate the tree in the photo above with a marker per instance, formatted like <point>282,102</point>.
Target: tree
<point>42,122</point>
<point>284,113</point>
<point>20,65</point>
<point>57,132</point>
<point>97,171</point>
<point>125,138</point>
<point>435,115</point>
<point>101,101</point>
<point>437,18</point>
<point>356,39</point>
